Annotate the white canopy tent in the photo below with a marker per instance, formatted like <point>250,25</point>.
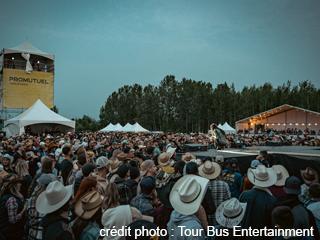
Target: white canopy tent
<point>108,128</point>
<point>127,128</point>
<point>133,128</point>
<point>219,126</point>
<point>39,117</point>
<point>226,127</point>
<point>27,47</point>
<point>117,127</point>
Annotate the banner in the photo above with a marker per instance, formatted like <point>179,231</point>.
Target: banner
<point>22,90</point>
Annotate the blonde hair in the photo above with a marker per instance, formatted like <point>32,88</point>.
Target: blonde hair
<point>22,168</point>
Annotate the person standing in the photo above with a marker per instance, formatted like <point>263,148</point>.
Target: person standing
<point>22,171</point>
<point>66,165</point>
<point>12,208</point>
<point>55,202</point>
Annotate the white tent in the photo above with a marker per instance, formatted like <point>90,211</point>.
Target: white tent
<point>127,128</point>
<point>39,117</point>
<point>219,126</point>
<point>117,127</point>
<point>108,128</point>
<point>26,47</point>
<point>226,127</point>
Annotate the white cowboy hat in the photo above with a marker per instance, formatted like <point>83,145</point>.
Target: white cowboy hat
<point>282,174</point>
<point>171,151</point>
<point>188,193</point>
<point>53,198</point>
<point>262,176</point>
<point>230,213</point>
<point>210,170</point>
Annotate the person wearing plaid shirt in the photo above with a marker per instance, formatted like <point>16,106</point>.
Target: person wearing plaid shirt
<point>12,208</point>
<point>221,192</point>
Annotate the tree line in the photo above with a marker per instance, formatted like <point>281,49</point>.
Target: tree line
<point>191,106</point>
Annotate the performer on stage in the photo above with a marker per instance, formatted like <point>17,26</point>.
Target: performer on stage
<point>219,136</point>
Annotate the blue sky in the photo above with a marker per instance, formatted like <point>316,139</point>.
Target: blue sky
<point>100,46</point>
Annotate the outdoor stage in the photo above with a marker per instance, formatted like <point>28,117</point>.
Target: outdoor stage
<point>293,158</point>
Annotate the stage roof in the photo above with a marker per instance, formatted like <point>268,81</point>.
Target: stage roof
<point>273,112</point>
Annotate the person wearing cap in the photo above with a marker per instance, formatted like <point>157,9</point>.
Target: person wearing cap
<point>33,216</point>
<point>102,164</point>
<point>259,199</point>
<point>219,189</point>
<point>148,168</point>
<point>309,176</point>
<point>278,188</point>
<point>122,185</point>
<point>87,169</point>
<point>313,202</point>
<point>12,208</point>
<point>87,225</point>
<point>143,200</point>
<point>6,163</point>
<point>284,219</point>
<point>233,178</point>
<point>55,203</point>
<point>164,160</point>
<point>186,197</point>
<point>12,148</point>
<point>156,150</point>
<point>229,215</point>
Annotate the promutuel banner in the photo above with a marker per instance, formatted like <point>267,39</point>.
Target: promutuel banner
<point>22,90</point>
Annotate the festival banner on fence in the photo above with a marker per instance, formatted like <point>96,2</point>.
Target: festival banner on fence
<point>22,90</point>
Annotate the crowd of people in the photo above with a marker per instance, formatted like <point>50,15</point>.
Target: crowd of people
<point>70,186</point>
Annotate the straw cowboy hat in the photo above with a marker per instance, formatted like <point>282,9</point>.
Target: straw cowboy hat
<point>113,165</point>
<point>282,174</point>
<point>210,170</point>
<point>230,213</point>
<point>76,147</point>
<point>309,176</point>
<point>52,145</point>
<point>88,205</point>
<point>187,194</point>
<point>262,176</point>
<point>115,154</point>
<point>187,157</point>
<point>164,159</point>
<point>53,198</point>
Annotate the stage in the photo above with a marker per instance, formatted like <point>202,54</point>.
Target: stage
<point>293,158</point>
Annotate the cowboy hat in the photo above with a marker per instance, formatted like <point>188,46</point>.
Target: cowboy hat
<point>52,145</point>
<point>210,170</point>
<point>113,165</point>
<point>164,159</point>
<point>123,157</point>
<point>309,175</point>
<point>115,154</point>
<point>230,213</point>
<point>76,147</point>
<point>171,151</point>
<point>187,157</point>
<point>282,174</point>
<point>88,205</point>
<point>53,198</point>
<point>262,176</point>
<point>187,194</point>
<point>164,193</point>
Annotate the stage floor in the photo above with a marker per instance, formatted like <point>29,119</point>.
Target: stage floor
<point>302,151</point>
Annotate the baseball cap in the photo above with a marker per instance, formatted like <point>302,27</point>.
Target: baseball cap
<point>145,166</point>
<point>293,185</point>
<point>88,168</point>
<point>102,162</point>
<point>219,159</point>
<point>13,143</point>
<point>44,180</point>
<point>43,143</point>
<point>18,145</point>
<point>147,184</point>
